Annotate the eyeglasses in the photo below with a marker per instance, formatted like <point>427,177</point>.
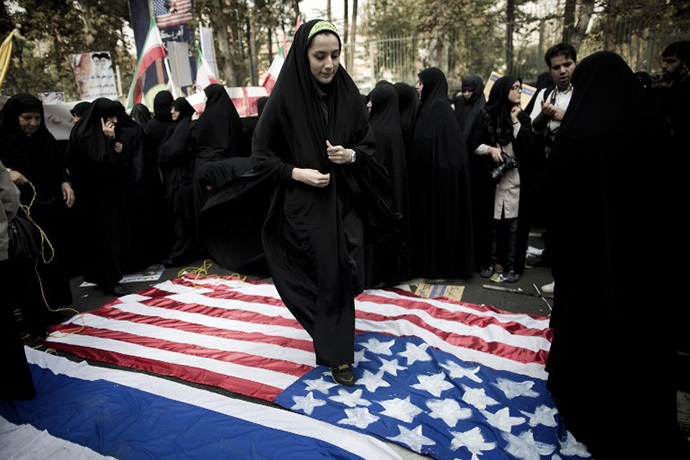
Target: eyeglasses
<point>516,87</point>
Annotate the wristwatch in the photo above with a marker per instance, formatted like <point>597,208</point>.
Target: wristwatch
<point>354,156</point>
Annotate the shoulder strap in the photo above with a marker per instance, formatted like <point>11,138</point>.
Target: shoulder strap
<point>548,90</point>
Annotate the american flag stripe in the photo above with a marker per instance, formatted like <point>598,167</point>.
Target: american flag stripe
<point>239,331</point>
<point>177,12</point>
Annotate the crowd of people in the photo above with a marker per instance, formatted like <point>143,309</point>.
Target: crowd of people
<point>330,196</point>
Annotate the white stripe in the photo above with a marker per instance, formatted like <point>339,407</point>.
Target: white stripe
<point>169,286</point>
<point>24,442</point>
<point>359,444</point>
<point>402,328</point>
<point>210,321</point>
<point>265,350</point>
<point>490,333</point>
<point>232,304</point>
<point>171,358</point>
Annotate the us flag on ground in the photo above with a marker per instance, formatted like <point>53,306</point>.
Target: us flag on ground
<point>440,377</point>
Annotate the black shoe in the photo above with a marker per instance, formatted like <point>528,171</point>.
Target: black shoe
<point>487,272</point>
<point>511,277</point>
<point>343,375</point>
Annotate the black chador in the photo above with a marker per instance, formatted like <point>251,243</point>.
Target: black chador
<point>385,264</point>
<point>312,236</point>
<point>100,176</point>
<point>408,103</point>
<point>439,184</point>
<point>158,126</point>
<point>466,109</point>
<point>216,135</point>
<point>611,363</point>
<point>38,158</point>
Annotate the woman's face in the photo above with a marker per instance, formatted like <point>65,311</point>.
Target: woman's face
<point>369,105</point>
<point>175,113</point>
<point>324,57</point>
<point>467,94</point>
<point>112,119</point>
<point>29,122</point>
<point>419,87</point>
<point>515,93</point>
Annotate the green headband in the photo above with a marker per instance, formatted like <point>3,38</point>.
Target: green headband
<point>320,27</point>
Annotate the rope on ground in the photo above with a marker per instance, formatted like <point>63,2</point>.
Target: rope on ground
<point>194,273</point>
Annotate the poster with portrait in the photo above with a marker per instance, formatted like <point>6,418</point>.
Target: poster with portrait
<point>94,74</point>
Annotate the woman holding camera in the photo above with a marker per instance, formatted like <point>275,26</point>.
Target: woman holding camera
<point>502,143</point>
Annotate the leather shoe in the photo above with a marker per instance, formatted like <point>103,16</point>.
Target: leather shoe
<point>511,277</point>
<point>343,375</point>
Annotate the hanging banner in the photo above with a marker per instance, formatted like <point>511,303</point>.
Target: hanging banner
<point>94,75</point>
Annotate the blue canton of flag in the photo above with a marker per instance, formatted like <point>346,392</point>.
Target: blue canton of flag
<point>172,12</point>
<point>437,404</point>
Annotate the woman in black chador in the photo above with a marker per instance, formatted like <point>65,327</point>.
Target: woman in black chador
<point>31,152</point>
<point>502,137</point>
<point>386,265</point>
<point>611,364</point>
<point>313,148</point>
<point>408,103</point>
<point>99,169</point>
<point>439,184</point>
<point>175,160</point>
<point>469,103</point>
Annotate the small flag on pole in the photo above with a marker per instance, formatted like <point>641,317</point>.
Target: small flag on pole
<point>153,49</point>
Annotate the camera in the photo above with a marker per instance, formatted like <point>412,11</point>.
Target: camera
<point>508,164</point>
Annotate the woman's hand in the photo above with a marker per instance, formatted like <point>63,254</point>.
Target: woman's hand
<point>108,128</point>
<point>495,153</point>
<point>67,194</point>
<point>311,177</point>
<point>514,112</point>
<point>339,154</point>
<point>118,147</point>
<point>18,178</point>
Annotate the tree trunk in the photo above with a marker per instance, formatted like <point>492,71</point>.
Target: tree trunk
<point>353,37</point>
<point>610,26</point>
<point>510,26</point>
<point>583,18</point>
<point>251,45</point>
<point>224,51</point>
<point>346,25</point>
<point>569,20</point>
<point>328,10</point>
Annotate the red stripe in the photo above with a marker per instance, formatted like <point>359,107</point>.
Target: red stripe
<point>187,373</point>
<point>470,319</point>
<point>157,52</point>
<point>235,357</point>
<point>518,354</point>
<point>115,313</point>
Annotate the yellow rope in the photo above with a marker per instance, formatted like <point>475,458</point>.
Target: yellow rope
<point>44,241</point>
<point>202,272</point>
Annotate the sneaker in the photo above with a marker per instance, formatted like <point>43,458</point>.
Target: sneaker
<point>511,277</point>
<point>548,288</point>
<point>343,375</point>
<point>487,272</point>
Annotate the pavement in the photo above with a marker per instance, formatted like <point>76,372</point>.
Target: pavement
<point>90,298</point>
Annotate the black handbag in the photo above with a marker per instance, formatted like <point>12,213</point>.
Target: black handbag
<point>25,240</point>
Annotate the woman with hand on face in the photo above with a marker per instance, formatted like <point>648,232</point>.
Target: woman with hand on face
<point>99,169</point>
<point>313,149</point>
<point>30,153</point>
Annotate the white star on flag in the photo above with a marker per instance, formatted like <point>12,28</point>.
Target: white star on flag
<point>434,384</point>
<point>477,397</point>
<point>514,389</point>
<point>413,438</point>
<point>307,403</point>
<point>391,366</point>
<point>502,419</point>
<point>572,448</point>
<point>373,381</point>
<point>359,357</point>
<point>319,385</point>
<point>472,440</point>
<point>448,410</point>
<point>379,348</point>
<point>458,372</point>
<point>350,399</point>
<point>525,447</point>
<point>415,353</point>
<point>402,409</point>
<point>544,415</point>
<point>359,417</point>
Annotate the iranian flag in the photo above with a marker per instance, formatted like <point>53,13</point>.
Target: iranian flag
<point>204,74</point>
<point>153,49</point>
<point>273,72</point>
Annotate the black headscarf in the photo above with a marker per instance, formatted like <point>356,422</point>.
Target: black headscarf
<point>37,156</point>
<point>175,156</point>
<point>466,110</point>
<point>162,103</point>
<point>158,126</point>
<point>440,208</point>
<point>80,108</point>
<point>218,132</point>
<point>605,176</point>
<point>498,106</point>
<point>141,115</point>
